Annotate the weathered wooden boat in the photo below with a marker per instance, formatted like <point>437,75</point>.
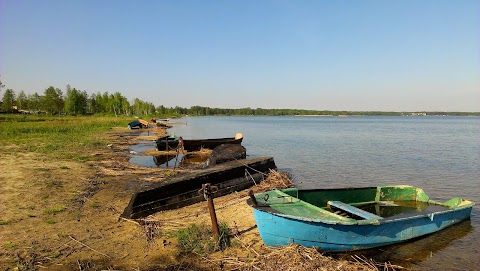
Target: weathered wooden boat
<point>137,124</point>
<point>352,218</point>
<point>197,144</point>
<point>225,153</point>
<point>166,143</point>
<point>182,190</point>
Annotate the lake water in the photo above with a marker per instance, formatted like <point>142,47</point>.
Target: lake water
<point>439,154</point>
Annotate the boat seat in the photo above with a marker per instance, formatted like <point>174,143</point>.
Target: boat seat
<point>353,210</point>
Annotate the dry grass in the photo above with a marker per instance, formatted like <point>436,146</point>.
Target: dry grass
<point>248,251</point>
<point>274,180</point>
<point>295,257</point>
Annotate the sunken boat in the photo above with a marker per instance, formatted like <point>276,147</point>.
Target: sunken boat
<point>211,143</point>
<point>182,190</point>
<point>167,143</point>
<point>349,219</point>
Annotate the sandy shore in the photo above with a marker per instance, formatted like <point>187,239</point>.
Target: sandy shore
<point>65,215</point>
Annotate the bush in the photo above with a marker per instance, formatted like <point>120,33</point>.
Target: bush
<point>199,239</point>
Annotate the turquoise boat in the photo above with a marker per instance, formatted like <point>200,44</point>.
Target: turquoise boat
<point>350,219</point>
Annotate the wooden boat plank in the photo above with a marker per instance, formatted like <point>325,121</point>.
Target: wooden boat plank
<point>353,210</point>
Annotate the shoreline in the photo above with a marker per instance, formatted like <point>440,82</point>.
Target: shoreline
<point>71,219</point>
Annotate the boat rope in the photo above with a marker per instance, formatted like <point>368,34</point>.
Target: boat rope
<point>246,177</point>
<point>196,214</point>
<point>247,166</point>
<point>208,191</point>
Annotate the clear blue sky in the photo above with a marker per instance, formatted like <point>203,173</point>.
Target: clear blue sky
<point>336,55</point>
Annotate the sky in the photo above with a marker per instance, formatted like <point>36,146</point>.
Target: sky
<point>406,55</point>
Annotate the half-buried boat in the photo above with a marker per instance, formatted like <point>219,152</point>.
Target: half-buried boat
<point>182,190</point>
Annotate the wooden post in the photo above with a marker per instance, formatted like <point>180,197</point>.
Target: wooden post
<point>207,191</point>
<point>252,197</point>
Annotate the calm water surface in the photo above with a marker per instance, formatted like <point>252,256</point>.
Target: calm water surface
<point>439,154</point>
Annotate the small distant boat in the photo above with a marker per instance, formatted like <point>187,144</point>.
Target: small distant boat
<point>137,124</point>
<point>167,143</point>
<point>352,218</point>
<point>197,144</point>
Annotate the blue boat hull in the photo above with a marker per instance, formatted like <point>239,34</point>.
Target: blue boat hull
<point>278,230</point>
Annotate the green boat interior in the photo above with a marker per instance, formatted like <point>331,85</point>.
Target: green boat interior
<point>354,205</point>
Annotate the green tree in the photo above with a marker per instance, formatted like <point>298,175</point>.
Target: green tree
<point>52,101</point>
<point>72,101</point>
<point>125,106</point>
<point>59,101</point>
<point>76,102</point>
<point>22,101</point>
<point>8,100</point>
<point>34,102</point>
<point>92,104</point>
<point>116,103</point>
<point>162,110</point>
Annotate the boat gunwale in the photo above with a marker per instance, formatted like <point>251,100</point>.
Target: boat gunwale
<point>466,204</point>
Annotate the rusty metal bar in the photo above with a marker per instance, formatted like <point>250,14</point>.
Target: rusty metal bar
<point>208,193</point>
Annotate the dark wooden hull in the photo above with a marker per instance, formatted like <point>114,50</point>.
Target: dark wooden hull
<point>197,144</point>
<point>166,143</point>
<point>179,191</point>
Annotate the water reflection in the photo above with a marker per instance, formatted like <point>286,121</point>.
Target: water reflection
<point>182,161</point>
<point>167,160</point>
<point>410,253</point>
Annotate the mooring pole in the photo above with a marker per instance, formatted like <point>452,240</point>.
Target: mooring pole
<point>207,192</point>
<point>252,198</point>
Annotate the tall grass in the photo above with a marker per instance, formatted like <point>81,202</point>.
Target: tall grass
<point>64,136</point>
<point>199,239</point>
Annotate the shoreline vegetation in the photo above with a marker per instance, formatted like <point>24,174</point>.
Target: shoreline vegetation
<point>66,180</point>
<point>79,103</point>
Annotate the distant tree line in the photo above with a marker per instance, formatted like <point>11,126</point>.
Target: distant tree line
<point>73,102</point>
<point>78,102</point>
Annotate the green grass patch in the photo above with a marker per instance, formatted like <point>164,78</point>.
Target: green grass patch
<point>51,221</point>
<point>94,204</point>
<point>199,239</point>
<point>77,215</point>
<point>54,210</point>
<point>9,245</point>
<point>64,137</point>
<point>5,221</point>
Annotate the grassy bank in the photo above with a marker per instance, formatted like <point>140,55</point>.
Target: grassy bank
<point>62,137</point>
